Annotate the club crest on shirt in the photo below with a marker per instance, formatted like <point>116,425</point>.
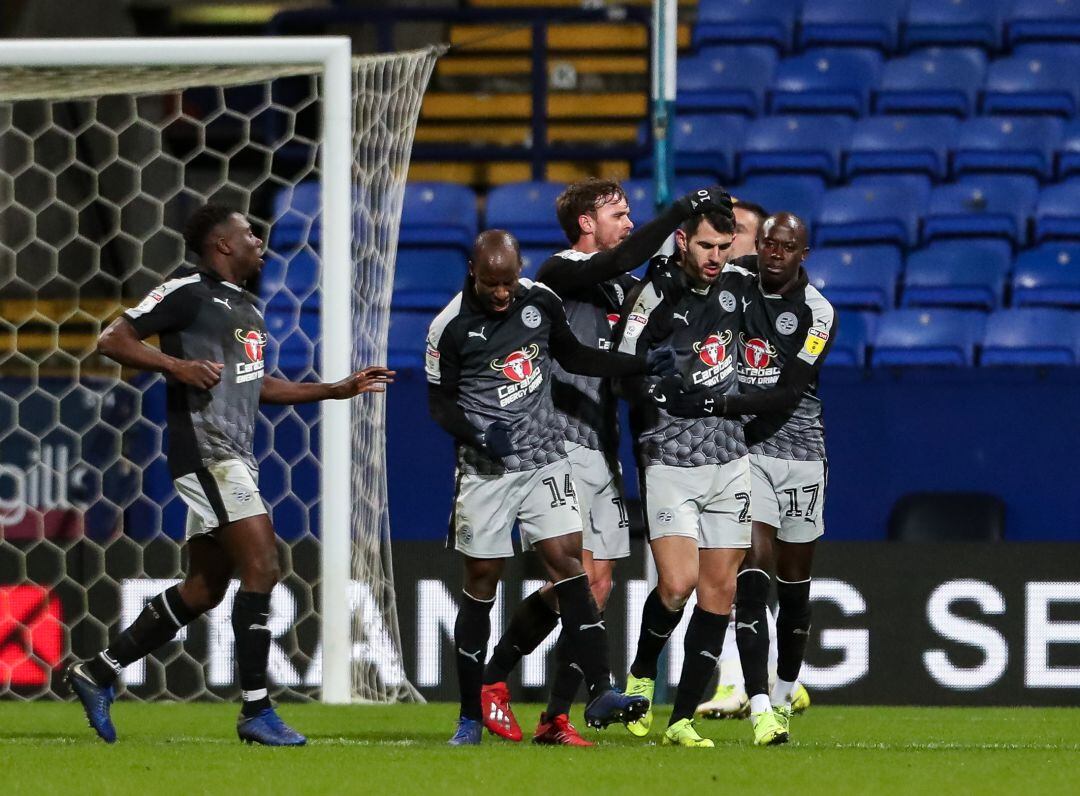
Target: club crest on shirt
<point>786,322</point>
<point>727,301</point>
<point>530,316</point>
<point>253,342</point>
<point>713,351</point>
<point>518,367</point>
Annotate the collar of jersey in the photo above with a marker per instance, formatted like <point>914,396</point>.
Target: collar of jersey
<point>210,273</point>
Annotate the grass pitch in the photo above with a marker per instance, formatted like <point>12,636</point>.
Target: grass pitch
<point>191,749</point>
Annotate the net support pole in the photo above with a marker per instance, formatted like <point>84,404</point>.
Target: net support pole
<point>664,50</point>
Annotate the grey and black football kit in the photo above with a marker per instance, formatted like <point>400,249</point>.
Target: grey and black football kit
<point>696,475</point>
<point>493,372</point>
<point>211,432</point>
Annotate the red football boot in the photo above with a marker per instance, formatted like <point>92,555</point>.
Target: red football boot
<point>558,731</point>
<point>498,717</point>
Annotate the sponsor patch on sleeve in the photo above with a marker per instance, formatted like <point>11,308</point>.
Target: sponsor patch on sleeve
<point>431,364</point>
<point>634,324</point>
<point>815,341</point>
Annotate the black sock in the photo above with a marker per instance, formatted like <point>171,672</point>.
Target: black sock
<point>792,627</point>
<point>471,632</point>
<point>158,624</point>
<point>704,641</point>
<point>585,631</point>
<point>531,623</point>
<point>568,677</point>
<point>657,624</point>
<point>752,629</point>
<point>250,614</point>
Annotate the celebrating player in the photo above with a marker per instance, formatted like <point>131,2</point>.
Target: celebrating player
<point>212,339</point>
<point>489,372</point>
<point>591,277</point>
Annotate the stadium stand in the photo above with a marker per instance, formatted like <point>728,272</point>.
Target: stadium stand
<point>932,81</point>
<point>766,21</point>
<point>425,279</point>
<point>957,23</point>
<point>1047,276</point>
<point>1043,20</point>
<point>527,209</point>
<point>877,210</point>
<point>855,330</point>
<point>968,273</point>
<point>1057,214</point>
<point>839,22</point>
<point>859,277</point>
<point>1042,337</point>
<point>978,205</point>
<point>826,80</point>
<point>727,79</point>
<point>901,143</point>
<point>922,337</point>
<point>438,214</point>
<point>800,193</point>
<point>1032,84</point>
<point>1007,144</point>
<point>790,143</point>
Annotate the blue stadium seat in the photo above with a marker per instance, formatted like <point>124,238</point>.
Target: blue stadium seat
<point>527,209</point>
<point>969,273</point>
<point>1047,276</point>
<point>438,214</point>
<point>932,81</point>
<point>795,143</point>
<point>936,337</point>
<point>874,211</point>
<point>956,22</point>
<point>426,279</point>
<point>798,194</point>
<point>708,143</point>
<point>641,196</point>
<point>767,21</point>
<point>862,277</point>
<point>295,215</point>
<point>980,206</point>
<point>841,22</point>
<point>1032,84</point>
<point>728,79</point>
<point>1009,143</point>
<point>407,339</point>
<point>853,331</point>
<point>1042,337</point>
<point>1068,151</point>
<point>1057,215</point>
<point>1043,20</point>
<point>532,257</point>
<point>826,80</point>
<point>901,143</point>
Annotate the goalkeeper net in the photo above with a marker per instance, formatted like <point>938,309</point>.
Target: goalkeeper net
<point>100,166</point>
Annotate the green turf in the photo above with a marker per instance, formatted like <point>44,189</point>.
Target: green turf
<point>190,749</point>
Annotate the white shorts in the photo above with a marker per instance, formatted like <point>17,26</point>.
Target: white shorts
<point>218,494</point>
<point>789,496</point>
<point>603,511</point>
<point>710,503</point>
<point>544,501</point>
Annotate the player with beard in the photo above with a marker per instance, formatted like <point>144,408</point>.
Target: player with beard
<point>787,331</point>
<point>592,279</point>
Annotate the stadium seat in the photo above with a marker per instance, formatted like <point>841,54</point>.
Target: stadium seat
<point>1032,84</point>
<point>841,22</point>
<point>1043,337</point>
<point>795,143</point>
<point>954,23</point>
<point>406,339</point>
<point>1068,151</point>
<point>873,211</point>
<point>826,80</point>
<point>527,209</point>
<point>1047,276</point>
<point>767,21</point>
<point>532,257</point>
<point>853,331</point>
<point>932,81</point>
<point>901,143</point>
<point>707,143</point>
<point>982,205</point>
<point>1011,143</point>
<point>438,214</point>
<point>426,279</point>
<point>725,79</point>
<point>1057,215</point>
<point>798,194</point>
<point>861,277</point>
<point>295,215</point>
<point>641,196</point>
<point>947,517</point>
<point>937,337</point>
<point>967,273</point>
<point>1043,20</point>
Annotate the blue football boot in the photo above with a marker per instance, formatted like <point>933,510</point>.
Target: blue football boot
<point>267,728</point>
<point>614,706</point>
<point>469,732</point>
<point>96,701</point>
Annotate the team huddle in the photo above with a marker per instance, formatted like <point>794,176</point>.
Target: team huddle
<point>717,351</point>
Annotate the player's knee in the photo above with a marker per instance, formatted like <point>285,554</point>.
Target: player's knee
<point>261,574</point>
<point>675,591</point>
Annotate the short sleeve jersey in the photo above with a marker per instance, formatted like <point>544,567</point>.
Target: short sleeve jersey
<point>199,316</point>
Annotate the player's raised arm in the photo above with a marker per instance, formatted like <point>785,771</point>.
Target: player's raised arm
<point>283,391</point>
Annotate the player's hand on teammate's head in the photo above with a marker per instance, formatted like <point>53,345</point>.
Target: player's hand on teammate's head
<point>713,199</point>
<point>660,361</point>
<point>496,439</point>
<point>370,379</point>
<point>201,373</point>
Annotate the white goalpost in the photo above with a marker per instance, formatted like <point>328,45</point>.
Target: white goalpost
<point>105,146</point>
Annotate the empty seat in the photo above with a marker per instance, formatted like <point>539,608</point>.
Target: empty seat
<point>852,332</point>
<point>407,339</point>
<point>1021,144</point>
<point>1047,276</point>
<point>829,22</point>
<point>798,194</point>
<point>438,214</point>
<point>769,21</point>
<point>826,80</point>
<point>947,517</point>
<point>1042,337</point>
<point>956,22</point>
<point>1043,20</point>
<point>426,279</point>
<point>527,209</point>
<point>862,277</point>
<point>708,143</point>
<point>901,143</point>
<point>295,215</point>
<point>795,143</point>
<point>1068,151</point>
<point>641,196</point>
<point>870,213</point>
<point>532,257</point>
<point>982,205</point>
<point>1057,215</point>
<point>729,79</point>
<point>937,337</point>
<point>969,273</point>
<point>931,81</point>
<point>1032,84</point>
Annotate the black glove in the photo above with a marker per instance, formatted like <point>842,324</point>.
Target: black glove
<point>660,361</point>
<point>669,395</point>
<point>496,440</point>
<point>707,200</point>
